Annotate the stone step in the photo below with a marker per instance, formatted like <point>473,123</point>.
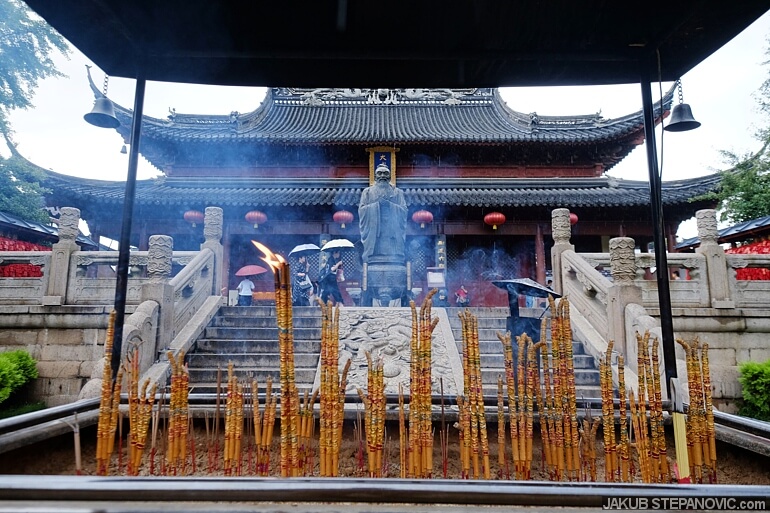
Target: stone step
<point>581,392</point>
<point>266,333</point>
<point>247,360</point>
<point>579,361</point>
<point>498,323</point>
<point>207,375</point>
<point>266,311</point>
<point>498,315</point>
<point>225,346</point>
<point>235,321</point>
<point>582,376</point>
<point>496,347</point>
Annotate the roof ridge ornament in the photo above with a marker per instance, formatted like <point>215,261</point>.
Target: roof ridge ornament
<point>383,96</point>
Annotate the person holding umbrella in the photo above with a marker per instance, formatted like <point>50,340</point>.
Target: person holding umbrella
<point>301,286</point>
<point>327,280</point>
<point>302,290</point>
<point>245,290</point>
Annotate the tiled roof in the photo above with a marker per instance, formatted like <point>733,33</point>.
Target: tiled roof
<point>44,230</point>
<point>737,231</point>
<point>392,116</point>
<point>524,192</point>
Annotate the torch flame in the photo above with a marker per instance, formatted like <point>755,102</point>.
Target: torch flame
<point>274,260</point>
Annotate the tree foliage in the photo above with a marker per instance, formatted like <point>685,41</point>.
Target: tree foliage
<point>20,191</point>
<point>745,190</point>
<point>27,45</point>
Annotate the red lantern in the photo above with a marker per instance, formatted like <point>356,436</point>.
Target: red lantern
<point>422,217</point>
<point>193,217</point>
<point>494,219</point>
<point>573,218</point>
<point>256,218</point>
<point>342,217</point>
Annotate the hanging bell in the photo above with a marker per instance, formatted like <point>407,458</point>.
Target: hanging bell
<point>123,149</point>
<point>103,114</point>
<point>681,119</point>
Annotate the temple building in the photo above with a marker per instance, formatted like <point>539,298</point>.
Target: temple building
<point>480,181</point>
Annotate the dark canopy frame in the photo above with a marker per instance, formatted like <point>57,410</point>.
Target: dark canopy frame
<point>446,44</point>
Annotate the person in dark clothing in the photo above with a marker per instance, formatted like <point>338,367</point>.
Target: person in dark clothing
<point>328,279</point>
<point>441,299</point>
<point>301,286</point>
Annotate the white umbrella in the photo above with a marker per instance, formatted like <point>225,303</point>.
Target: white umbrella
<point>303,249</point>
<point>337,244</point>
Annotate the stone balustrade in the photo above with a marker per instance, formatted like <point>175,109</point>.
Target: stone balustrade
<point>615,296</point>
<point>61,318</point>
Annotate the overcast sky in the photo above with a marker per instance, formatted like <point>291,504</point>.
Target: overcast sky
<point>720,91</point>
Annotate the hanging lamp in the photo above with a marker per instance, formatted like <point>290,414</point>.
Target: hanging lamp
<point>343,217</point>
<point>494,219</point>
<point>423,217</point>
<point>256,218</point>
<point>193,217</point>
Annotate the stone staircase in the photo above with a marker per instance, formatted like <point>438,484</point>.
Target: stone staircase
<point>493,320</point>
<point>248,337</point>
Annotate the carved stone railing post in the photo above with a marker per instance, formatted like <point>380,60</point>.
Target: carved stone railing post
<point>622,292</point>
<point>158,289</point>
<point>561,232</point>
<point>716,262</point>
<point>212,231</point>
<point>58,271</point>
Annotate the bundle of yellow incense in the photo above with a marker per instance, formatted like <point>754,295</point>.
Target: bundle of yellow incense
<point>106,402</point>
<point>474,400</point>
<point>624,450</point>
<point>178,421</point>
<point>290,464</point>
<point>547,421</point>
<point>332,391</point>
<point>510,379</point>
<point>374,404</point>
<point>642,444</point>
<point>421,390</point>
<point>588,447</point>
<point>233,423</point>
<point>533,386</point>
<point>263,431</point>
<point>608,414</point>
<point>501,460</point>
<point>665,474</point>
<point>559,387</point>
<point>709,406</point>
<point>571,394</point>
<point>654,442</point>
<point>140,410</point>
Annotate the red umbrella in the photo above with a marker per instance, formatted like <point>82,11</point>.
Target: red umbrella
<point>250,270</point>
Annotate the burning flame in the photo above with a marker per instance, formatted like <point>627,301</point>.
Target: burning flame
<point>274,260</point>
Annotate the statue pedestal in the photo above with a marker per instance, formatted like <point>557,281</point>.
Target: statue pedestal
<point>385,285</point>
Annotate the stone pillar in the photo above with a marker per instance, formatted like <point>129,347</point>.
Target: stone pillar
<point>716,262</point>
<point>212,231</point>
<point>622,292</point>
<point>561,232</point>
<point>58,273</point>
<point>158,289</point>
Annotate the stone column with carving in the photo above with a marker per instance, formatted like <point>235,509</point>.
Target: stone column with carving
<point>158,289</point>
<point>561,232</point>
<point>716,262</point>
<point>212,232</point>
<point>61,252</point>
<point>621,293</point>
